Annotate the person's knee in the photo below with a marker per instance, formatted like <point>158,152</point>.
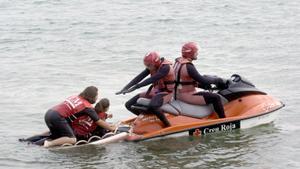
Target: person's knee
<point>72,140</point>
<point>128,105</point>
<point>216,97</point>
<point>211,98</point>
<point>154,106</point>
<point>156,103</point>
<point>131,102</point>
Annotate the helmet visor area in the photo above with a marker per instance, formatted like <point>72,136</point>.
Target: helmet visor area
<point>150,66</point>
<point>195,57</point>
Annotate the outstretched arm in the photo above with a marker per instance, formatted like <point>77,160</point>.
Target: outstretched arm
<point>137,79</point>
<point>161,72</point>
<point>105,125</point>
<point>94,116</point>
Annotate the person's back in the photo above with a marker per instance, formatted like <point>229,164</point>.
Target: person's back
<point>184,82</point>
<point>167,82</point>
<point>188,78</point>
<point>72,105</point>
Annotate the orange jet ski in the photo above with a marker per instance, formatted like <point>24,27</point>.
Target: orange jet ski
<point>244,105</point>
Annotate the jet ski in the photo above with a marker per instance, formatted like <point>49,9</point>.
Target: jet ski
<point>245,106</point>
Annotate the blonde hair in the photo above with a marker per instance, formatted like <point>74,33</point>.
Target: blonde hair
<point>102,105</point>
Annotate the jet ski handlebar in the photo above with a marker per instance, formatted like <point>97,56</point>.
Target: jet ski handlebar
<point>216,83</point>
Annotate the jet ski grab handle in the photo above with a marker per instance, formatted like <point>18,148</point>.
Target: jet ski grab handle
<point>235,80</point>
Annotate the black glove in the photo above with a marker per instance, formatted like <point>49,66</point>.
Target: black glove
<point>221,83</point>
<point>133,88</point>
<point>121,92</point>
<point>204,86</point>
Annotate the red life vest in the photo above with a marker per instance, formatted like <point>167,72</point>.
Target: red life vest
<point>84,125</point>
<point>166,83</point>
<point>103,115</point>
<point>184,83</point>
<point>71,106</point>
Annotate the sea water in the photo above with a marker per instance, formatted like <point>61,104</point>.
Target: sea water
<point>53,49</point>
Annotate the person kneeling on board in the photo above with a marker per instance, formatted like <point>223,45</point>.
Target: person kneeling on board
<point>59,118</point>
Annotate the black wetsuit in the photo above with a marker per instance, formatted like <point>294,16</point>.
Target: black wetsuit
<point>157,100</point>
<point>205,81</point>
<point>162,72</point>
<point>60,126</point>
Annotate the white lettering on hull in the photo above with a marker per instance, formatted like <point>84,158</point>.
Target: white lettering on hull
<point>222,127</point>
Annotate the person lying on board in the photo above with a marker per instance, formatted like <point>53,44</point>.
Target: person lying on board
<point>84,127</point>
<point>162,79</point>
<point>188,79</point>
<point>59,118</point>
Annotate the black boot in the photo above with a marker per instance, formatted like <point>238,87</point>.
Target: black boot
<point>215,100</point>
<point>162,117</point>
<point>132,102</point>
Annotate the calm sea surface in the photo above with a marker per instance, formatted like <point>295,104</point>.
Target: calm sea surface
<point>52,49</point>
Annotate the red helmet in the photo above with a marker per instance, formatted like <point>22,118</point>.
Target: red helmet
<point>190,50</point>
<point>152,58</point>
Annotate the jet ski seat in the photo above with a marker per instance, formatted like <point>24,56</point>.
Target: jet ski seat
<point>177,107</point>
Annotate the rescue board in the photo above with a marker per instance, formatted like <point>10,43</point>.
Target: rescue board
<point>113,138</point>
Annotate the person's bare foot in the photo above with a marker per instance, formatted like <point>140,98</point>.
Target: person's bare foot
<point>47,144</point>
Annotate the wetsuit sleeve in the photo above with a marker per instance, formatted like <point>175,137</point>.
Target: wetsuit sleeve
<point>137,79</point>
<point>91,113</point>
<point>204,81</point>
<point>162,72</point>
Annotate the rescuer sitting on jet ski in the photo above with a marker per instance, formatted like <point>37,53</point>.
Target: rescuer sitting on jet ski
<point>162,80</point>
<point>188,78</point>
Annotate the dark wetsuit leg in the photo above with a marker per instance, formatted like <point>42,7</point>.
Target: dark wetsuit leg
<point>99,131</point>
<point>38,139</point>
<point>131,102</point>
<point>59,127</point>
<point>215,100</point>
<point>156,102</point>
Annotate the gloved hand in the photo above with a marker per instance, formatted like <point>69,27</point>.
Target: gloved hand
<point>221,83</point>
<point>204,86</point>
<point>133,88</point>
<point>121,92</point>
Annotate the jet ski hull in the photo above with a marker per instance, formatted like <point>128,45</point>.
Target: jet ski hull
<point>244,112</point>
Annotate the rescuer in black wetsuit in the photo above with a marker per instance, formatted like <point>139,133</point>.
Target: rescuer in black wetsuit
<point>162,80</point>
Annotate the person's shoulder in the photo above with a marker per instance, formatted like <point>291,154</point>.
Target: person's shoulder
<point>165,67</point>
<point>89,110</point>
<point>190,64</point>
